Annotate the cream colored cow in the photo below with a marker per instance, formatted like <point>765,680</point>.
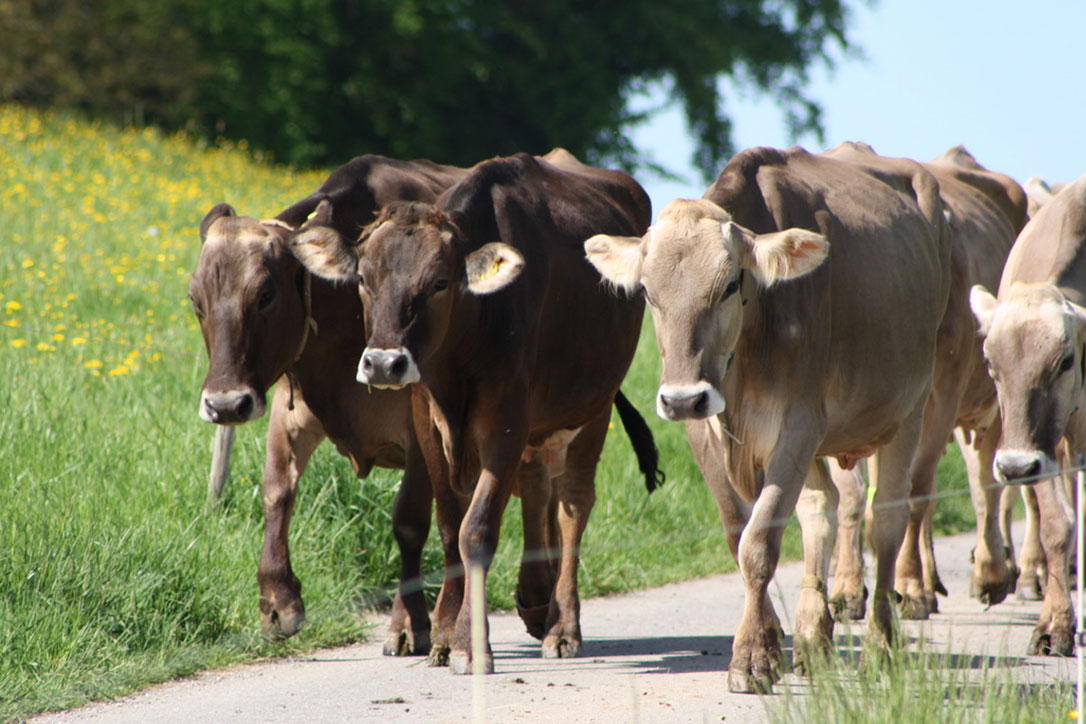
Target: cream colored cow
<point>1035,344</point>
<point>796,307</point>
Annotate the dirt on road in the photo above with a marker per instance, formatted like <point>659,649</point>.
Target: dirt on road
<point>653,656</point>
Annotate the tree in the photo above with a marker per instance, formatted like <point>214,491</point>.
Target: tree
<point>461,80</point>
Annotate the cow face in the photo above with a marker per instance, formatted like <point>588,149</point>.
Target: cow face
<point>1035,345</point>
<point>690,267</point>
<point>411,271</point>
<point>247,293</point>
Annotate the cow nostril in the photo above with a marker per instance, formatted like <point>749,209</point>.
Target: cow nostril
<point>1033,469</point>
<point>398,368</point>
<point>701,403</point>
<point>245,406</point>
<point>367,363</point>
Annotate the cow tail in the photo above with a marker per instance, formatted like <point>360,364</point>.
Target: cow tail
<point>644,446</point>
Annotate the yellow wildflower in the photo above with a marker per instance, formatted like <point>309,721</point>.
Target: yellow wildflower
<point>17,343</point>
<point>93,364</point>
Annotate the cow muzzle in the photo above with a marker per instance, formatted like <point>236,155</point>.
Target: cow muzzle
<point>688,402</point>
<point>387,368</point>
<point>231,407</point>
<point>1023,467</point>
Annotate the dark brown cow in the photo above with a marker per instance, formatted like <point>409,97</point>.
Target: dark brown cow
<point>266,321</point>
<point>485,300</point>
<point>796,306</point>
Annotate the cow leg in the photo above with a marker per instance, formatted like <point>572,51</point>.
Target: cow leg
<point>817,512</point>
<point>576,494</point>
<point>292,438</point>
<point>756,651</point>
<point>710,455</point>
<point>480,529</point>
<point>535,582</point>
<point>889,518</point>
<point>993,574</point>
<point>1053,634</point>
<point>409,626</point>
<point>1032,560</point>
<point>938,423</point>
<point>849,598</point>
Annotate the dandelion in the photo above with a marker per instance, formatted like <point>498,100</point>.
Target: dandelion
<point>18,343</point>
<point>11,322</point>
<point>118,371</point>
<point>13,306</point>
<point>77,341</point>
<point>93,364</point>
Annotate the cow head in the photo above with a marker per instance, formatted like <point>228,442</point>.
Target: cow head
<point>1035,346</point>
<point>690,267</point>
<point>248,295</point>
<point>412,269</point>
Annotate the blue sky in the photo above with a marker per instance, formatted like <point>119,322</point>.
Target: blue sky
<point>1005,78</point>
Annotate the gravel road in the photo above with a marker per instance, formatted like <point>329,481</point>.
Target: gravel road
<point>654,656</point>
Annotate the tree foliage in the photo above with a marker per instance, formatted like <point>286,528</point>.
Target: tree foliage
<point>314,81</point>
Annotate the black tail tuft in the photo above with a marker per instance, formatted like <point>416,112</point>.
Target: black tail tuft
<point>648,459</point>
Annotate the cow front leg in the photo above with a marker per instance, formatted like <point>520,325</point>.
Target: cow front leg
<point>478,542</point>
<point>535,581</point>
<point>1054,633</point>
<point>293,435</point>
<point>849,598</point>
<point>1032,561</point>
<point>817,513</point>
<point>409,625</point>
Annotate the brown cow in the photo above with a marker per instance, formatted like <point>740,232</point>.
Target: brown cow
<point>1035,344</point>
<point>796,308</point>
<point>485,302</point>
<point>266,321</point>
<point>986,211</point>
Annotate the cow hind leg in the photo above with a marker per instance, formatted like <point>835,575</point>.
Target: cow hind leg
<point>576,495</point>
<point>848,600</point>
<point>817,512</point>
<point>535,582</point>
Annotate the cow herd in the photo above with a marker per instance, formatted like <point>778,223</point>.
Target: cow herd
<point>473,326</point>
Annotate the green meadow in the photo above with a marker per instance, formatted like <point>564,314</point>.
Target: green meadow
<point>114,574</point>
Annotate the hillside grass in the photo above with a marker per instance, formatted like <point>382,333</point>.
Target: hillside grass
<point>113,575</point>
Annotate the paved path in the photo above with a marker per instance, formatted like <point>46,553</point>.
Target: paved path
<point>653,656</point>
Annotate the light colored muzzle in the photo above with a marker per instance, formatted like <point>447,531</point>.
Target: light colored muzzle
<point>1023,467</point>
<point>387,368</point>
<point>231,407</point>
<point>688,402</point>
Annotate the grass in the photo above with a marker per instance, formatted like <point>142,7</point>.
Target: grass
<point>925,686</point>
<point>112,573</point>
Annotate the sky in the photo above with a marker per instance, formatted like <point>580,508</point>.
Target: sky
<point>1004,78</point>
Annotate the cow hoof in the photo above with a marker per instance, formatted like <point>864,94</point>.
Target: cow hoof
<point>1029,590</point>
<point>1051,643</point>
<point>914,608</point>
<point>849,607</point>
<point>403,644</point>
<point>534,618</point>
<point>931,601</point>
<point>439,656</point>
<point>557,646</point>
<point>460,663</point>
<point>743,682</point>
<point>989,594</point>
<point>281,625</point>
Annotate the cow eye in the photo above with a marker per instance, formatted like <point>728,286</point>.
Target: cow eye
<point>1066,363</point>
<point>267,296</point>
<point>441,285</point>
<point>196,307</point>
<point>732,288</point>
<point>361,280</point>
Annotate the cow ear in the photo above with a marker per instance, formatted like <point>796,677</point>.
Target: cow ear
<point>782,255</point>
<point>617,259</point>
<point>492,267</point>
<point>216,213</point>
<point>983,305</point>
<point>324,252</point>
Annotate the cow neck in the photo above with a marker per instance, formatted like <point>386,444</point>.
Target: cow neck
<point>307,305</point>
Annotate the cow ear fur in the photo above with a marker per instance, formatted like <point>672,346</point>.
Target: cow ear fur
<point>617,259</point>
<point>983,305</point>
<point>783,255</point>
<point>216,213</point>
<point>492,267</point>
<point>325,253</point>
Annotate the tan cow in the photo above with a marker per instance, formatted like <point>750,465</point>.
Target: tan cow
<point>796,308</point>
<point>986,211</point>
<point>1035,344</point>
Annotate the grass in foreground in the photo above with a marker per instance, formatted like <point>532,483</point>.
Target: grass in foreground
<point>112,574</point>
